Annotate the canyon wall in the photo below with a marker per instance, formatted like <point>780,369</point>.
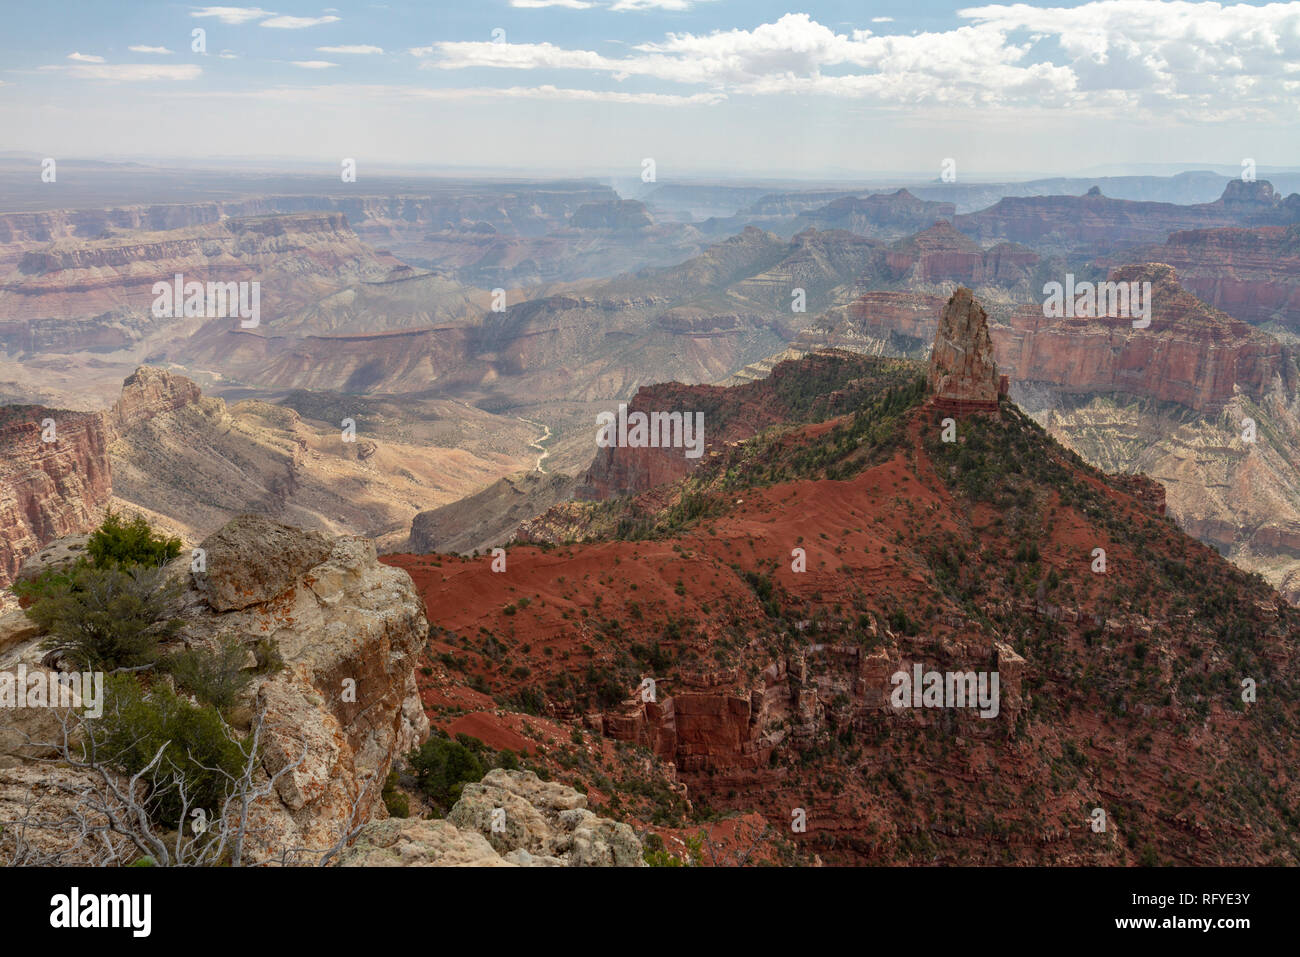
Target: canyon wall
<point>1251,274</point>
<point>49,489</point>
<point>1190,354</point>
<point>97,294</point>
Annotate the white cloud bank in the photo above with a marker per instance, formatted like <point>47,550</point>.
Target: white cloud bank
<point>1197,59</point>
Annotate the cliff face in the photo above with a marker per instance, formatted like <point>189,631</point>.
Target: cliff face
<point>148,392</point>
<point>1251,274</point>
<point>522,209</point>
<point>881,215</point>
<point>1190,354</point>
<point>876,323</point>
<point>626,470</point>
<point>489,517</point>
<point>626,214</point>
<point>49,489</point>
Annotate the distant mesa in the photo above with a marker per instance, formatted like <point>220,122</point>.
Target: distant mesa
<point>618,214</point>
<point>963,376</point>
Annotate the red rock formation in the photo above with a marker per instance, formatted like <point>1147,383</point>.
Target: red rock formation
<point>1191,354</point>
<point>49,489</point>
<point>1251,274</point>
<point>962,375</point>
<point>731,415</point>
<point>627,470</point>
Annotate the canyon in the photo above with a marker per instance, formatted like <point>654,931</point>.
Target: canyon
<point>771,686</point>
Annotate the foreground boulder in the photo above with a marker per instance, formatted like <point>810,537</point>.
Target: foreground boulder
<point>510,818</point>
<point>253,559</point>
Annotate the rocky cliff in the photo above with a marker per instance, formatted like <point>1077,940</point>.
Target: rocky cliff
<point>1191,353</point>
<point>731,416</point>
<point>1251,274</point>
<point>195,461</point>
<point>49,489</point>
<point>623,214</point>
<point>880,215</point>
<point>149,392</point>
<point>943,254</point>
<point>542,824</point>
<point>489,517</point>
<point>335,717</point>
<point>962,374</point>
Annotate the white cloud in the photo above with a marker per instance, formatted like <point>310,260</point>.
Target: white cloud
<point>228,55</point>
<point>85,58</point>
<point>359,48</point>
<point>882,19</point>
<point>129,72</point>
<point>233,16</point>
<point>313,64</point>
<point>296,23</point>
<point>1169,56</point>
<point>539,4</point>
<point>622,6</point>
<point>335,93</point>
<point>144,49</point>
<point>517,56</point>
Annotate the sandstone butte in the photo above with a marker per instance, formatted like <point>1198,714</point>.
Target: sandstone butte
<point>772,685</point>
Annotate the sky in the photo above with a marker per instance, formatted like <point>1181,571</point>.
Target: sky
<point>581,87</point>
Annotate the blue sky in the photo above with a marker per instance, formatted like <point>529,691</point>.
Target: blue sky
<point>749,87</point>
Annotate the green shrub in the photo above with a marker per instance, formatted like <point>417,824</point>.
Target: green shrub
<point>215,676</point>
<point>656,855</point>
<point>442,768</point>
<point>103,619</point>
<point>46,583</point>
<point>117,543</point>
<point>199,750</point>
